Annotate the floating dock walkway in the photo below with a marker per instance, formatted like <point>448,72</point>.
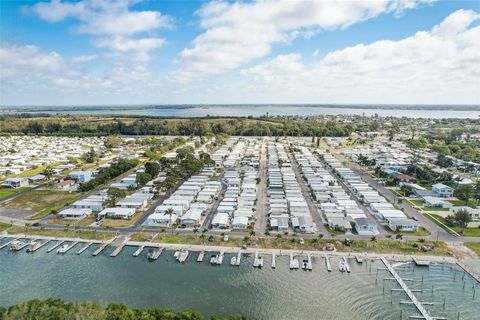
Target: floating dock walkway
<point>138,251</point>
<point>201,255</point>
<point>274,263</point>
<point>66,249</point>
<point>258,261</point>
<point>327,262</point>
<point>347,266</point>
<point>37,246</point>
<point>407,290</point>
<point>100,249</point>
<point>55,246</point>
<point>239,257</point>
<point>84,248</point>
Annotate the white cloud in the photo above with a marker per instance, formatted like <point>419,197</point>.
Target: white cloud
<point>437,66</point>
<point>239,32</point>
<point>111,22</point>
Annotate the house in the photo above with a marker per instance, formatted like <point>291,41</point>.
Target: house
<point>279,222</point>
<point>36,178</point>
<point>365,226</point>
<point>240,222</point>
<point>15,183</point>
<point>405,178</point>
<point>64,184</point>
<point>434,202</point>
<point>403,225</point>
<point>87,203</point>
<point>191,218</point>
<point>73,213</point>
<point>442,190</point>
<point>117,213</point>
<point>81,176</point>
<point>161,219</point>
<point>221,220</point>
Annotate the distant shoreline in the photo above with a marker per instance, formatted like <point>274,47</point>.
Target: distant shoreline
<point>10,109</point>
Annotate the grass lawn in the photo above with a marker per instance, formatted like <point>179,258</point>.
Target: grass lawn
<point>379,246</point>
<point>434,209</point>
<point>4,226</point>
<point>461,203</point>
<point>91,235</point>
<point>475,246</point>
<point>418,203</point>
<point>120,223</point>
<point>468,232</point>
<point>42,202</point>
<point>5,192</point>
<point>334,232</point>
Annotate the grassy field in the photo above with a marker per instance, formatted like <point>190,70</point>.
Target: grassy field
<point>5,192</point>
<point>4,226</point>
<point>121,223</point>
<point>380,246</point>
<point>475,246</point>
<point>468,232</point>
<point>92,235</point>
<point>418,203</point>
<point>42,202</point>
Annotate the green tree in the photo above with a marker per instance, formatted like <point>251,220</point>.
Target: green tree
<point>406,190</point>
<point>48,173</point>
<point>462,218</point>
<point>114,194</point>
<point>464,192</point>
<point>152,168</point>
<point>169,212</point>
<point>143,178</point>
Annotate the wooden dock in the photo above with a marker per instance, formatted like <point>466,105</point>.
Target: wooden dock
<point>220,258</point>
<point>469,271</point>
<point>100,249</point>
<point>274,264</point>
<point>407,290</point>
<point>84,248</point>
<point>55,246</point>
<point>327,262</point>
<point>138,251</point>
<point>8,243</point>
<point>119,249</point>
<point>257,261</point>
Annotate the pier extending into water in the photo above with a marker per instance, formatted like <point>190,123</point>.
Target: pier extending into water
<point>407,290</point>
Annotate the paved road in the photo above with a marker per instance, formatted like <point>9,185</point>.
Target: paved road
<point>308,197</point>
<point>207,222</point>
<point>261,207</point>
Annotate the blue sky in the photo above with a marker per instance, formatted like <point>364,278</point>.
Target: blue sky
<point>136,52</point>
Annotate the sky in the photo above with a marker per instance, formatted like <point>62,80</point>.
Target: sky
<point>123,52</point>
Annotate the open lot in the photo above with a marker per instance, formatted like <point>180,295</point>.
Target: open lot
<point>92,235</point>
<point>468,232</point>
<point>41,202</point>
<point>4,226</point>
<point>121,223</point>
<point>6,192</point>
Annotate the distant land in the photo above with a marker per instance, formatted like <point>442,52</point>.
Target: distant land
<point>67,108</point>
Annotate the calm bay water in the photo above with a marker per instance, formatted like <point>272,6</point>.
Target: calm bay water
<point>260,110</point>
<point>227,290</point>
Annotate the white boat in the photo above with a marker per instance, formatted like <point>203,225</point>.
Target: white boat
<point>153,254</point>
<point>63,248</point>
<point>220,258</point>
<point>32,245</point>
<point>176,254</point>
<point>233,261</point>
<point>16,245</point>
<point>182,257</point>
<point>213,259</point>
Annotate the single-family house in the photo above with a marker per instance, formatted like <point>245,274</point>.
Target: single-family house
<point>442,190</point>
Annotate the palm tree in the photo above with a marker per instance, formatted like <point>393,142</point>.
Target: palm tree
<point>169,212</point>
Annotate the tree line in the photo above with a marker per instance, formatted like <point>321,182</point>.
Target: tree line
<point>56,309</point>
<point>115,169</point>
<point>84,126</point>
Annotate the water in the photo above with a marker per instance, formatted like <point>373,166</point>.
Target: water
<point>437,112</point>
<point>227,290</point>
